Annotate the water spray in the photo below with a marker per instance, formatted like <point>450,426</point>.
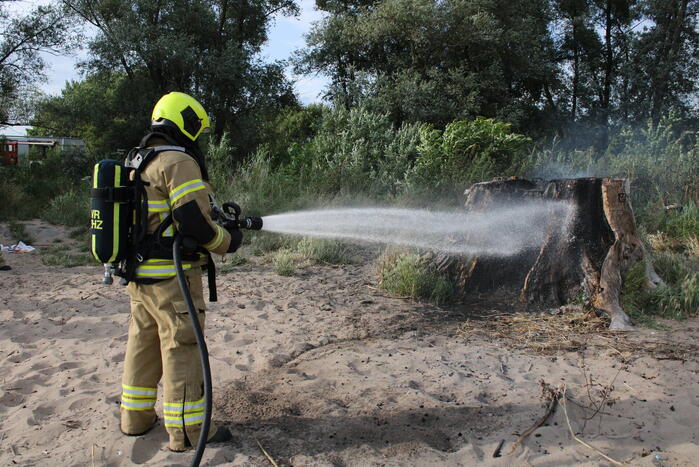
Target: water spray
<point>498,232</point>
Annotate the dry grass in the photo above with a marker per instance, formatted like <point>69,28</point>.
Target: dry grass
<point>568,330</point>
<point>691,244</point>
<point>574,329</point>
<point>661,241</point>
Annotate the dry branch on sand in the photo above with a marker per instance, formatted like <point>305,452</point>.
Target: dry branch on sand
<point>559,395</point>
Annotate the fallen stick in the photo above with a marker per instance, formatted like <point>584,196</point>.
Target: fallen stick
<point>555,395</point>
<point>498,449</point>
<point>570,428</point>
<point>269,458</point>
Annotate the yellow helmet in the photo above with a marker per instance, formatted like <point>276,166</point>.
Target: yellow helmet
<point>184,112</point>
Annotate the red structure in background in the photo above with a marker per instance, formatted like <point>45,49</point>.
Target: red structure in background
<point>14,150</point>
<point>8,153</point>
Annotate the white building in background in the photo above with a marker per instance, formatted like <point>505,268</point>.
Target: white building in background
<point>14,150</point>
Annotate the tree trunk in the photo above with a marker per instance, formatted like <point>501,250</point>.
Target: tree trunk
<point>584,255</point>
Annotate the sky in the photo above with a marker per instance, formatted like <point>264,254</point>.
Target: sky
<point>285,36</point>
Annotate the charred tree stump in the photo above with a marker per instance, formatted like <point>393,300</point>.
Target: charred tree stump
<point>585,254</point>
<point>570,260</point>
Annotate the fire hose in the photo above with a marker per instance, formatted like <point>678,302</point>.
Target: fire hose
<point>228,217</point>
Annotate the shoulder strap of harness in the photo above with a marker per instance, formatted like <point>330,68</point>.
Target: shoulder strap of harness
<point>139,158</point>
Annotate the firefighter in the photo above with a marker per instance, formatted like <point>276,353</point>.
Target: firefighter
<point>161,340</point>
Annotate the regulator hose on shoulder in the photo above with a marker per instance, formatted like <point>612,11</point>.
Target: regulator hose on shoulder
<point>203,351</point>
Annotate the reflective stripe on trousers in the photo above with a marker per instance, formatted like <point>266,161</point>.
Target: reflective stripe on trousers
<point>187,413</point>
<point>138,398</point>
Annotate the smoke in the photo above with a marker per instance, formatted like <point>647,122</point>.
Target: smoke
<point>557,170</point>
<point>505,231</point>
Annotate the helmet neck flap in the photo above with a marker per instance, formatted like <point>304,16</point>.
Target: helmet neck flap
<point>174,137</point>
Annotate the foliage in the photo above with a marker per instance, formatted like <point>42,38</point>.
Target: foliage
<point>71,208</point>
<point>19,232</point>
<point>262,243</point>
<point>661,162</point>
<point>16,203</point>
<point>681,300</point>
<point>353,152</point>
<point>24,41</point>
<point>29,192</point>
<point>663,65</point>
<point>409,276</point>
<point>284,262</point>
<point>106,109</point>
<point>685,224</point>
<point>673,267</point>
<point>548,67</point>
<point>422,60</point>
<point>282,135</point>
<point>204,47</point>
<point>59,256</point>
<point>233,261</point>
<point>678,300</point>
<point>324,250</point>
<point>464,153</point>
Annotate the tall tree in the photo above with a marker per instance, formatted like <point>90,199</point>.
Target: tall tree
<point>576,39</point>
<point>105,109</point>
<point>668,55</point>
<point>205,47</point>
<point>23,40</point>
<point>435,60</point>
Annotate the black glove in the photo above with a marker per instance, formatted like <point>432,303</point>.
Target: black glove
<point>236,239</point>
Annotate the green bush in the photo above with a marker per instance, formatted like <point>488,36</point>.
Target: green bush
<point>679,299</point>
<point>685,224</point>
<point>323,250</point>
<point>660,161</point>
<point>233,261</point>
<point>291,128</point>
<point>27,192</point>
<point>71,208</point>
<point>347,154</point>
<point>60,256</point>
<point>673,266</point>
<point>408,275</point>
<point>284,262</point>
<point>19,233</point>
<point>262,243</point>
<point>464,153</point>
<point>16,203</point>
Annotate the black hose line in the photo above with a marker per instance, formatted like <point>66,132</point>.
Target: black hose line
<point>201,343</point>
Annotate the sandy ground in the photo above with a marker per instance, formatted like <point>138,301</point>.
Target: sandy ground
<point>322,369</point>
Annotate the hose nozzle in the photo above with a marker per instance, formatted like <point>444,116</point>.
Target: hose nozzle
<point>250,223</point>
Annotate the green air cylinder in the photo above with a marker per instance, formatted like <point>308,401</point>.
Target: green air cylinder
<point>110,211</point>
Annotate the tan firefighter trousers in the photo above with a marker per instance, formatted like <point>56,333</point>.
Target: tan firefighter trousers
<point>162,344</point>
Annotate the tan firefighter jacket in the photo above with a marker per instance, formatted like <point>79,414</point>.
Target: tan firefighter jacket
<point>175,187</point>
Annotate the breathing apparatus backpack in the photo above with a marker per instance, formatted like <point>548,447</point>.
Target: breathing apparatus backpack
<point>119,214</point>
